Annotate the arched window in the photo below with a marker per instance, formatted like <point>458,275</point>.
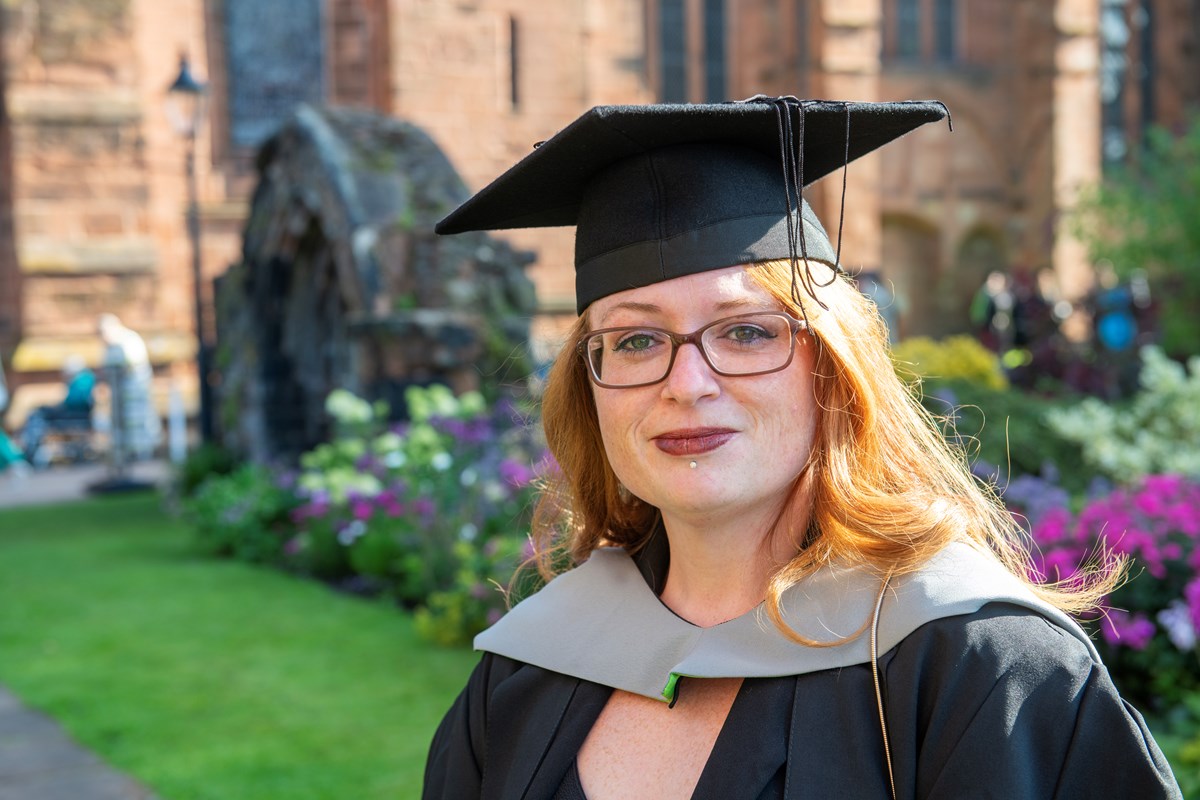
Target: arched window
<point>672,51</point>
<point>908,29</point>
<point>922,30</point>
<point>945,30</point>
<point>275,61</point>
<point>715,90</point>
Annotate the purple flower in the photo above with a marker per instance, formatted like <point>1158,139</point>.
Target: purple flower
<point>467,431</point>
<point>1120,629</point>
<point>1035,497</point>
<point>368,463</point>
<point>516,474</point>
<point>389,503</point>
<point>361,508</point>
<point>424,507</point>
<point>1191,593</point>
<point>287,479</point>
<point>310,510</point>
<point>548,466</point>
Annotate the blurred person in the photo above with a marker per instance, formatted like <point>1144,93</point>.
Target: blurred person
<point>73,412</point>
<point>991,312</point>
<point>136,425</point>
<point>770,575</point>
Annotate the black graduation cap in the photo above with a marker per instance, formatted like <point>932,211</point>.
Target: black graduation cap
<point>661,191</point>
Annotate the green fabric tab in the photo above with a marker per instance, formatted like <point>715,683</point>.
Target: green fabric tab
<point>668,691</point>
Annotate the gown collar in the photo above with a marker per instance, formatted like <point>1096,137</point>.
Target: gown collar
<point>603,621</point>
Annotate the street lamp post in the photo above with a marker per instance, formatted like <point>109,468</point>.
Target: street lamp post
<point>186,108</point>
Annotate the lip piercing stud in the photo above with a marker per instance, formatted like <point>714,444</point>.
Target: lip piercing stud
<point>692,465</point>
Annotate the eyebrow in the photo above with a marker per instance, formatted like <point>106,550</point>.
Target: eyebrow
<point>724,305</point>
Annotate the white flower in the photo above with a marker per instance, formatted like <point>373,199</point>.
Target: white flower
<point>468,532</point>
<point>395,459</point>
<point>468,477</point>
<point>345,407</point>
<point>441,461</point>
<point>351,532</point>
<point>1177,621</point>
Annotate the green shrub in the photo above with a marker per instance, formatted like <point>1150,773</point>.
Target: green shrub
<point>244,514</point>
<point>1178,734</point>
<point>1146,216</point>
<point>206,461</point>
<point>1158,431</point>
<point>1005,434</point>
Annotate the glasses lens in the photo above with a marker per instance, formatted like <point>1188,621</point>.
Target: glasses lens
<point>744,345</point>
<point>629,356</point>
<point>749,344</point>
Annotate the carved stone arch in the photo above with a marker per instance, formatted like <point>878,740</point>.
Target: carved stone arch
<point>911,262</point>
<point>343,284</point>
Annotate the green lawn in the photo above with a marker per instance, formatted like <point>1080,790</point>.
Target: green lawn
<point>210,679</point>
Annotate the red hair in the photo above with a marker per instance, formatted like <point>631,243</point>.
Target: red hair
<point>886,489</point>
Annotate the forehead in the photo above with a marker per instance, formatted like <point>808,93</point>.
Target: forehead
<point>723,290</point>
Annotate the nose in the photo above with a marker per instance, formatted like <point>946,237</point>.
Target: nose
<point>690,378</point>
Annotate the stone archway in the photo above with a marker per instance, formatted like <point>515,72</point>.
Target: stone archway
<point>912,265</point>
<point>981,252</point>
<point>343,284</point>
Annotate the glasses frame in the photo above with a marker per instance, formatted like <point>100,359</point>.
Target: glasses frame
<point>680,339</point>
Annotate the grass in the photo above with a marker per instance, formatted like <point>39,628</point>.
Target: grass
<point>212,679</point>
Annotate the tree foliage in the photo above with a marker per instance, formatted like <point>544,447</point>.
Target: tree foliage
<point>1146,215</point>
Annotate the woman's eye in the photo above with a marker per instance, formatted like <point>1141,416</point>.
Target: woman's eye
<point>635,342</point>
<point>748,333</point>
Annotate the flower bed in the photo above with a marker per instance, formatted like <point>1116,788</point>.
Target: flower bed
<point>433,512</point>
<point>1148,632</point>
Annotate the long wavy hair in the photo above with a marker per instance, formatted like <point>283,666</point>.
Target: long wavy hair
<point>887,491</point>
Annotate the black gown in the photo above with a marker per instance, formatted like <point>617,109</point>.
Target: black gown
<point>999,703</point>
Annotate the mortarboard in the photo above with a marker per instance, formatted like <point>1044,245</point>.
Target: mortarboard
<point>661,191</point>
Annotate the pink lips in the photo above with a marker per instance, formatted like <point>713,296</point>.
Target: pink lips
<point>692,441</point>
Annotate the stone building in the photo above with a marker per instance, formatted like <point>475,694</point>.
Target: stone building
<point>1041,91</point>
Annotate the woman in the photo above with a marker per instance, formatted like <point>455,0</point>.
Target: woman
<point>788,585</point>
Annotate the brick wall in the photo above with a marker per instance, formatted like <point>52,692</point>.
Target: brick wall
<point>98,192</point>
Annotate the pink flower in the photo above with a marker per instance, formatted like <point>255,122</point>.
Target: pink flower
<point>1122,630</point>
<point>1059,565</point>
<point>1052,527</point>
<point>389,502</point>
<point>361,508</point>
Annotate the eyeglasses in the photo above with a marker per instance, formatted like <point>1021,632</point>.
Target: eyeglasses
<point>748,344</point>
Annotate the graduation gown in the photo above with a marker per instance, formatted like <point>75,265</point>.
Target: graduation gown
<point>1003,700</point>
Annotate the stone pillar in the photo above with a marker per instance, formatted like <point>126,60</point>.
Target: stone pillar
<point>1076,132</point>
<point>10,270</point>
<point>847,67</point>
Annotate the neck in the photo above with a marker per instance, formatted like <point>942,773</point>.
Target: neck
<point>720,569</point>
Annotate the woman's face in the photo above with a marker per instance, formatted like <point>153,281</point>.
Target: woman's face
<point>750,437</point>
